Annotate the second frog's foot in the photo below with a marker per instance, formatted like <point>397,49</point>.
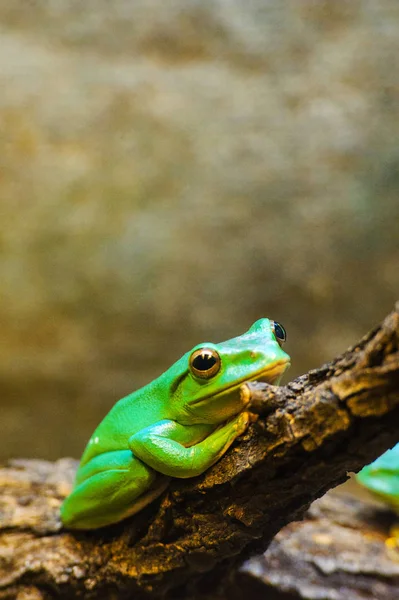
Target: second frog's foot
<point>392,544</point>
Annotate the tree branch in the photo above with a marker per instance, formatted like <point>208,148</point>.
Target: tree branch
<point>310,433</point>
<point>338,551</point>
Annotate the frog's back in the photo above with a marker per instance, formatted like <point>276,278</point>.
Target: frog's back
<point>382,476</point>
<point>128,416</point>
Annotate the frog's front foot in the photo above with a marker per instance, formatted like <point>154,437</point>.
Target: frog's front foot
<point>392,543</point>
<point>241,422</point>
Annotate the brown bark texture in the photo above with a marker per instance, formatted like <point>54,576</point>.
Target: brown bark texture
<point>337,552</point>
<point>308,436</point>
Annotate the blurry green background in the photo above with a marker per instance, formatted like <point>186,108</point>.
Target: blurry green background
<point>172,171</point>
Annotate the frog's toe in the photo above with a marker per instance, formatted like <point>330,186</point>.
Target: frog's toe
<point>392,543</point>
<point>243,422</point>
<point>392,548</point>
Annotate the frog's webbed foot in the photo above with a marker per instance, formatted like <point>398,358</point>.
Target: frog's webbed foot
<point>185,451</point>
<point>392,543</point>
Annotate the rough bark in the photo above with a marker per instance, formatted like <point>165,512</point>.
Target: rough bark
<point>310,433</point>
<point>337,552</point>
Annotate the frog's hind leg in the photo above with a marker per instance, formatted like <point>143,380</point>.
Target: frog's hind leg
<point>109,488</point>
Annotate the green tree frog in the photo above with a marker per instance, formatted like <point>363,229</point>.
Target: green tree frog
<point>176,426</point>
<point>382,478</point>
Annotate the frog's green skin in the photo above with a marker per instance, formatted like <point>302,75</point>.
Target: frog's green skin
<point>176,426</point>
<point>382,477</point>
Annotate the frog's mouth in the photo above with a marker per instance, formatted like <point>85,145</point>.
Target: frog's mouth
<point>271,374</point>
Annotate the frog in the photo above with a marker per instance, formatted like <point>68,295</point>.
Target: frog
<point>381,477</point>
<point>176,426</point>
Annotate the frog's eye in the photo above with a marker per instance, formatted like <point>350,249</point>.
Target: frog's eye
<point>205,362</point>
<point>279,332</point>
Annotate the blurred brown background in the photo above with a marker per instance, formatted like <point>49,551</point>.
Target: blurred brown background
<point>170,172</point>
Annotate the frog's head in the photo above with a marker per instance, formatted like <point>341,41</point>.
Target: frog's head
<point>207,382</point>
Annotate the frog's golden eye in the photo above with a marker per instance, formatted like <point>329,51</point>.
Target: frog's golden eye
<point>205,363</point>
<point>279,332</point>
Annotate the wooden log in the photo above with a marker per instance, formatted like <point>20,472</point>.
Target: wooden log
<point>337,552</point>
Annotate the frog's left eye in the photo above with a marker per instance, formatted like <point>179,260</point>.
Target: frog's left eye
<point>205,363</point>
<point>279,332</point>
